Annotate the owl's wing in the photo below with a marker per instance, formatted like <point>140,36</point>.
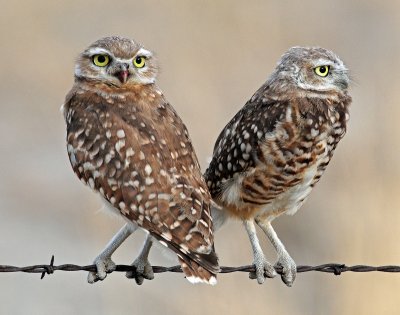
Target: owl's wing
<point>238,147</point>
<point>144,165</point>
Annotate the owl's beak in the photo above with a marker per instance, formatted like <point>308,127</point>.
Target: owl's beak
<point>122,72</point>
<point>122,75</point>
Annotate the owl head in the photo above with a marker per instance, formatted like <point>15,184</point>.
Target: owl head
<point>118,62</point>
<point>312,69</point>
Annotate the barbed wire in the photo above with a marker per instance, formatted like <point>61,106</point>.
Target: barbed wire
<point>336,269</point>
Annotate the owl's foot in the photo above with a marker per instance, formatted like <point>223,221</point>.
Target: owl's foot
<point>264,269</point>
<point>289,269</point>
<point>143,268</point>
<point>104,265</point>
<point>143,271</point>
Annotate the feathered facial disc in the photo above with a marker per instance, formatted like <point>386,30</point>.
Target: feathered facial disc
<point>314,69</point>
<point>118,62</point>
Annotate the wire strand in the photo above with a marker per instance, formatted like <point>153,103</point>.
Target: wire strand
<point>336,269</point>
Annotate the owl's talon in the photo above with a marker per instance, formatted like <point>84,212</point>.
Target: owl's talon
<point>104,266</point>
<point>264,269</point>
<point>144,270</point>
<point>289,269</point>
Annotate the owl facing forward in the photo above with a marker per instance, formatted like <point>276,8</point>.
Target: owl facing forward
<point>275,149</point>
<point>128,144</point>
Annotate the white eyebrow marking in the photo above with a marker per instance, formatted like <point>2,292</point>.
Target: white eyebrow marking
<point>144,52</point>
<point>96,51</point>
<point>323,62</point>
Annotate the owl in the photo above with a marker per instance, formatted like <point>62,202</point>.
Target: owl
<point>271,154</point>
<point>127,143</point>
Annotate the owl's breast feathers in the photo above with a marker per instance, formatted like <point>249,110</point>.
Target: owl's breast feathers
<point>135,151</point>
<point>272,145</point>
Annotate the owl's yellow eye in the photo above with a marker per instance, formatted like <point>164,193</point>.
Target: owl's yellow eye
<point>101,60</point>
<point>322,71</point>
<point>139,61</point>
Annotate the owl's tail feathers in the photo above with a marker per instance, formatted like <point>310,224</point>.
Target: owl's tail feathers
<point>197,267</point>
<point>196,273</point>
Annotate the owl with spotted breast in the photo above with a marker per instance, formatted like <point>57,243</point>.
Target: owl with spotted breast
<point>128,144</point>
<point>275,149</point>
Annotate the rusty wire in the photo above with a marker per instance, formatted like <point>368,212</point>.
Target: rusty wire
<point>336,269</point>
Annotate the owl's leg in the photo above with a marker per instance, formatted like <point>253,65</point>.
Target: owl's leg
<point>288,265</point>
<point>143,268</point>
<point>103,262</point>
<point>264,269</point>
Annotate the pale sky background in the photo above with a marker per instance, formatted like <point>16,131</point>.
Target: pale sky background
<point>213,55</point>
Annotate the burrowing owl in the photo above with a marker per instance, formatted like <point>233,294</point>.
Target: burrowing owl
<point>126,142</point>
<point>271,154</point>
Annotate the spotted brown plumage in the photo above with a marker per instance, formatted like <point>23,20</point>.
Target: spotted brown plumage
<point>126,142</point>
<point>275,149</point>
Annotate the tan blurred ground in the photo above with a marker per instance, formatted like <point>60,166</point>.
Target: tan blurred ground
<point>214,55</point>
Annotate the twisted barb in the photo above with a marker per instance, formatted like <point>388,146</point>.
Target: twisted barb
<point>336,269</point>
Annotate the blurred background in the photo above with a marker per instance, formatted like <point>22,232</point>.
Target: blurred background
<point>214,55</point>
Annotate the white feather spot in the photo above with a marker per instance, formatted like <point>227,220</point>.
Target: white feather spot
<point>314,132</point>
<point>148,169</point>
<point>87,166</point>
<point>149,181</point>
<point>108,157</point>
<point>119,145</point>
<point>130,152</point>
<point>167,236</point>
<point>248,148</point>
<point>175,225</point>
<point>184,248</point>
<point>121,133</point>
